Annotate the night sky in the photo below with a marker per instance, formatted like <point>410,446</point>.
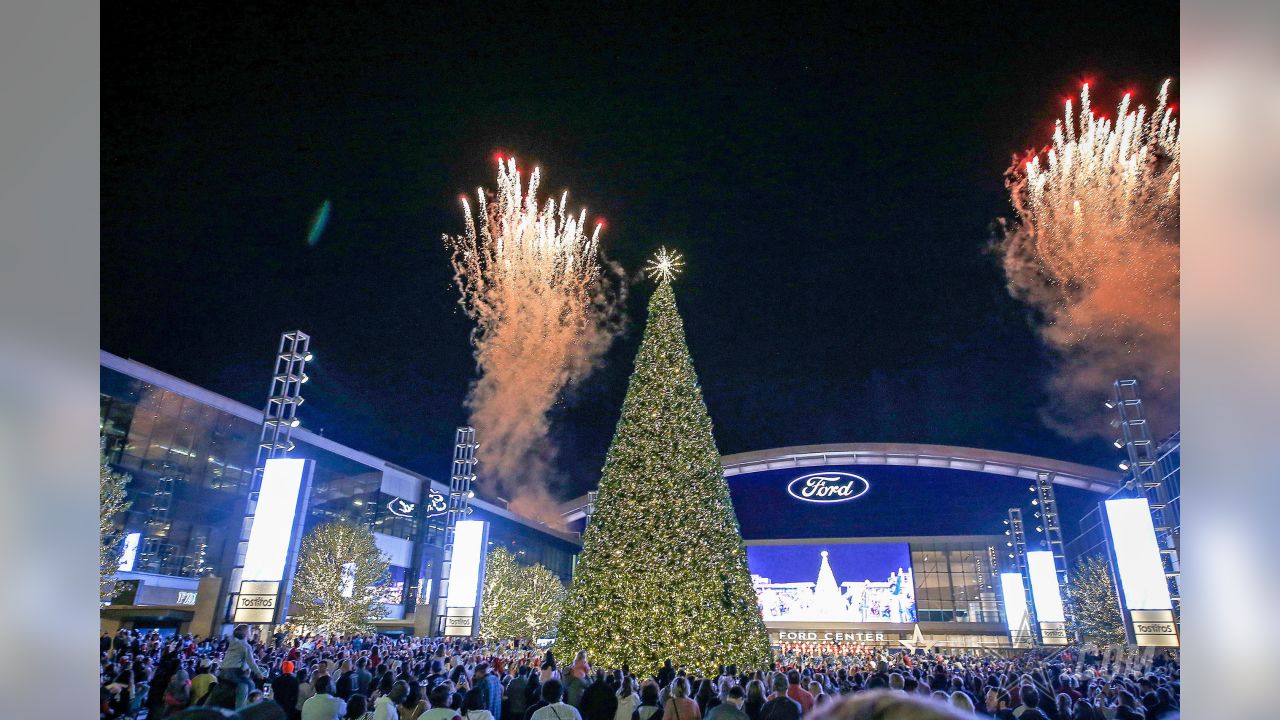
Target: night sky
<point>831,179</point>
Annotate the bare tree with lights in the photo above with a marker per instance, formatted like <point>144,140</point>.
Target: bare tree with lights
<point>336,584</point>
<point>112,500</point>
<point>520,601</point>
<point>663,570</point>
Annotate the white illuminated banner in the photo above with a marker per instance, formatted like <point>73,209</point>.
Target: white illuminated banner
<point>1015,605</point>
<point>273,522</point>
<point>1133,539</point>
<point>130,553</point>
<point>348,586</point>
<point>464,572</point>
<point>1045,592</point>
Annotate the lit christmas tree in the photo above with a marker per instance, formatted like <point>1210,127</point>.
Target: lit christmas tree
<point>1094,605</point>
<point>663,570</point>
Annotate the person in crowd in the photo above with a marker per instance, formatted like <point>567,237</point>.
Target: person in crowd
<point>961,701</point>
<point>345,684</point>
<point>888,705</point>
<point>574,688</point>
<point>679,706</point>
<point>731,707</point>
<point>473,705</point>
<point>305,688</point>
<point>1127,707</point>
<point>363,677</point>
<point>439,702</point>
<point>387,707</point>
<point>666,674</point>
<point>1029,707</point>
<point>284,689</point>
<point>703,696</point>
<point>1084,710</point>
<point>548,670</point>
<point>779,706</point>
<point>177,695</point>
<point>555,708</point>
<point>437,675</point>
<point>798,693</point>
<point>490,688</point>
<point>627,699</point>
<point>323,705</point>
<point>357,708</point>
<point>650,707</point>
<point>205,677</point>
<point>238,665</point>
<point>755,699</point>
<point>598,701</point>
<point>515,698</point>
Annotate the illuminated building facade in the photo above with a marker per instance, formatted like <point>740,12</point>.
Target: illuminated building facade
<point>190,453</point>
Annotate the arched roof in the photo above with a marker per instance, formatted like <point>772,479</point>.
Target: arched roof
<point>994,462</point>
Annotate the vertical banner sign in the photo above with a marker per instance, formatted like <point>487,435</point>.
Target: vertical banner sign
<point>1015,609</point>
<point>1139,571</point>
<point>466,578</point>
<point>271,542</point>
<point>130,553</point>
<point>1047,596</point>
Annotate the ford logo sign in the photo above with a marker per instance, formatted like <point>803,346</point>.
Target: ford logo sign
<point>828,487</point>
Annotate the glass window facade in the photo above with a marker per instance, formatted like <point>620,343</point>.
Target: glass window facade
<point>190,466</point>
<point>530,546</point>
<point>956,581</point>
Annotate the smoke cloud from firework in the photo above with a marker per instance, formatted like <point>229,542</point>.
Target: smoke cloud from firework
<point>531,279</point>
<point>1094,250</point>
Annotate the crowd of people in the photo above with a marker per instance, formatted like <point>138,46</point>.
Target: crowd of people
<point>378,677</point>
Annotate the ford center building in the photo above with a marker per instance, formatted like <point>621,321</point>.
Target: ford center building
<point>889,544</point>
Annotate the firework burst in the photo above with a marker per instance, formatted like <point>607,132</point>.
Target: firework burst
<point>1095,251</point>
<point>530,277</point>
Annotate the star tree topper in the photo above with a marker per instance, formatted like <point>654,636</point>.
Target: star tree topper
<point>665,265</point>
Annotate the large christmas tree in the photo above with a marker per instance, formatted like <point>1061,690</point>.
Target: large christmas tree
<point>663,571</point>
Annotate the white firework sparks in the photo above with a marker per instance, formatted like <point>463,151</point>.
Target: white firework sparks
<point>529,276</point>
<point>1105,185</point>
<point>1095,251</point>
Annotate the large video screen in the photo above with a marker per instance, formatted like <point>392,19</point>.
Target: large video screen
<point>834,583</point>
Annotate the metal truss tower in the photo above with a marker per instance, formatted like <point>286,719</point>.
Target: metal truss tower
<point>1018,542</point>
<point>460,494</point>
<point>1145,474</point>
<point>281,414</point>
<point>1050,526</point>
<point>279,418</point>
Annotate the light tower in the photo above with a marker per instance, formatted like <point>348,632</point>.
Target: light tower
<point>1049,525</point>
<point>1145,474</point>
<point>279,418</point>
<point>1018,546</point>
<point>460,494</point>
